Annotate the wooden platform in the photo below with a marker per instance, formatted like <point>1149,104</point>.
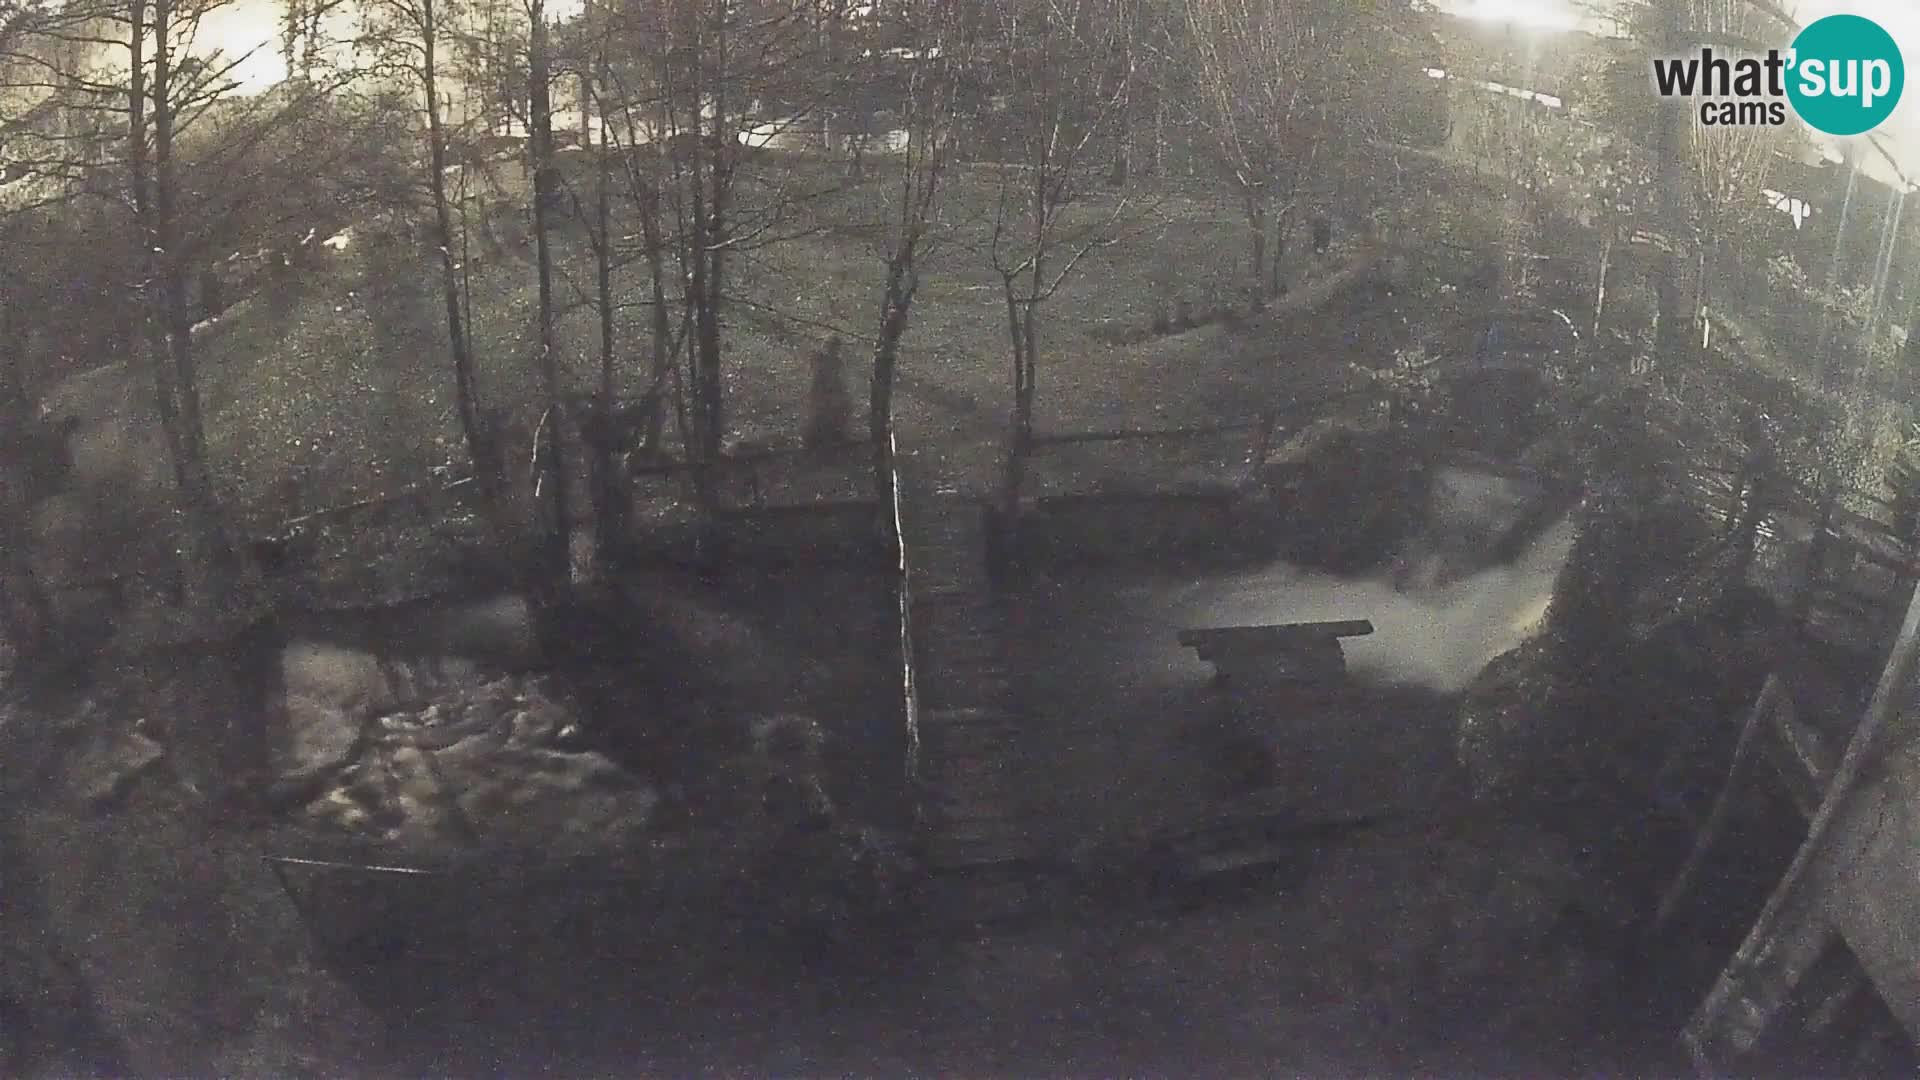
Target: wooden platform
<point>1292,652</point>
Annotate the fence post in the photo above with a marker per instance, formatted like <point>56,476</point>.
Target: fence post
<point>1816,557</point>
<point>1754,434</point>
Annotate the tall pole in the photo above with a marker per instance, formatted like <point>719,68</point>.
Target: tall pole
<point>1672,147</point>
<point>540,109</point>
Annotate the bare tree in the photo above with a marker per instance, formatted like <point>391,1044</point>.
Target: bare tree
<point>610,429</point>
<point>125,105</point>
<point>412,36</point>
<point>545,192</point>
<point>1046,46</point>
<point>691,74</point>
<point>932,102</point>
<point>1274,79</point>
<point>1248,72</point>
<point>303,39</point>
<point>633,100</point>
<point>609,503</point>
<point>165,93</point>
<point>1731,166</point>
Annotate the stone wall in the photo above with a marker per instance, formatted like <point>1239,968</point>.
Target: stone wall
<point>1207,528</point>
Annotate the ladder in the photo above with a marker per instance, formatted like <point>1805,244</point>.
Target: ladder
<point>1852,885</point>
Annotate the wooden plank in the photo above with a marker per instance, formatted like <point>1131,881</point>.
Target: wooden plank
<point>1222,863</point>
<point>1772,697</point>
<point>1216,496</point>
<point>1279,635</point>
<point>1874,902</point>
<point>1797,763</point>
<point>1744,1002</point>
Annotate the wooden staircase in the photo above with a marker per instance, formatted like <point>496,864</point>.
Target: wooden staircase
<point>975,789</point>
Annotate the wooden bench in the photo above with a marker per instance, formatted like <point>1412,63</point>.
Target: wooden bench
<point>1292,652</point>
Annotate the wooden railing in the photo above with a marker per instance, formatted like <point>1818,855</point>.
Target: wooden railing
<point>835,472</point>
<point>909,678</point>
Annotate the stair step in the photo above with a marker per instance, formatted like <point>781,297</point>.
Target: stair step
<point>1227,862</point>
<point>943,854</point>
<point>971,740</point>
<point>973,817</point>
<point>944,692</point>
<point>970,661</point>
<point>960,761</point>
<point>953,716</point>
<point>961,602</point>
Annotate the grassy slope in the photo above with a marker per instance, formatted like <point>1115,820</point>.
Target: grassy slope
<point>316,388</point>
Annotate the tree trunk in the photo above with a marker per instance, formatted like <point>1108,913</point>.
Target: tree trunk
<point>482,449</point>
<point>693,258</point>
<point>1257,230</point>
<point>894,308</point>
<point>140,178</point>
<point>214,552</point>
<point>704,256</point>
<point>662,327</point>
<point>609,510</point>
<point>540,108</point>
<point>1027,344</point>
<point>1282,225</point>
<point>1022,419</point>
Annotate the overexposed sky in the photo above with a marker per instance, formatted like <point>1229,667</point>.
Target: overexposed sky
<point>1900,135</point>
<point>1552,14</point>
<point>1901,132</point>
<point>250,28</point>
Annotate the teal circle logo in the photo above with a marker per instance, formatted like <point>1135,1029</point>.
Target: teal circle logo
<point>1845,75</point>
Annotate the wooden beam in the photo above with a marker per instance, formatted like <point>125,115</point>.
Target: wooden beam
<point>1772,695</point>
<point>1280,635</point>
<point>1792,926</point>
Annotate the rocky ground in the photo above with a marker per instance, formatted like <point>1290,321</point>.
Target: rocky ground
<point>498,765</point>
<point>147,931</point>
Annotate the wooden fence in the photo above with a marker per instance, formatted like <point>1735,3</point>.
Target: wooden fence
<point>841,472</point>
